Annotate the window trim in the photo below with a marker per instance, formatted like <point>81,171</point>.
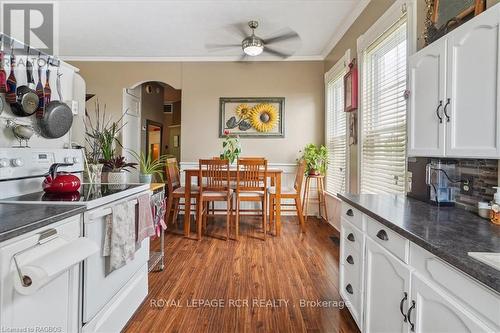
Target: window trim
<point>385,22</point>
<point>337,69</point>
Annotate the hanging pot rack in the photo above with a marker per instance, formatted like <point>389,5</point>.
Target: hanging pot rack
<point>8,42</point>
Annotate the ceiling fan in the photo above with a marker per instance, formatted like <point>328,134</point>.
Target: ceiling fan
<point>253,45</point>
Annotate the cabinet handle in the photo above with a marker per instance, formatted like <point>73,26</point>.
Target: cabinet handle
<point>401,306</point>
<point>437,112</point>
<point>382,235</point>
<point>446,113</point>
<point>412,325</point>
<point>349,212</point>
<point>350,260</point>
<point>350,237</point>
<point>349,289</point>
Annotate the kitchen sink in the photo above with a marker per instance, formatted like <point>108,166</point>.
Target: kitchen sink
<point>489,258</point>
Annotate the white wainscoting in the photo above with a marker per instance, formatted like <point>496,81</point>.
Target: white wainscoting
<point>287,180</point>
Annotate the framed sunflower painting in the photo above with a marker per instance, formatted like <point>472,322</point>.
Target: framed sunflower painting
<point>252,116</point>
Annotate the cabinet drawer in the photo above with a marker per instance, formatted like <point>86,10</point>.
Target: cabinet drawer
<point>351,235</point>
<point>352,215</point>
<point>351,293</point>
<point>484,303</point>
<point>389,239</point>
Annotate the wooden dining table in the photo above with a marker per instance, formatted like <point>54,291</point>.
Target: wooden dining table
<point>190,173</point>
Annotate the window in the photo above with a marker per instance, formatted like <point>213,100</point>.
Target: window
<point>336,133</point>
<point>383,111</point>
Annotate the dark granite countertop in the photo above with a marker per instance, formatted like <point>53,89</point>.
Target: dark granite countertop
<point>447,232</point>
<point>16,220</point>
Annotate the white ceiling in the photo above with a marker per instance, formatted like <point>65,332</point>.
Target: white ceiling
<point>179,30</point>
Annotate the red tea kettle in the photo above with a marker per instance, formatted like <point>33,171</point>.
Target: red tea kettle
<point>60,182</point>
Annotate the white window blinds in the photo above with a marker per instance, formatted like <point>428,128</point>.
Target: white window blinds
<point>336,141</point>
<point>383,118</point>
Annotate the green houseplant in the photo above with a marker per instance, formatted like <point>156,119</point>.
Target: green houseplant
<point>231,147</point>
<point>316,158</point>
<point>101,138</point>
<point>117,168</point>
<point>149,167</point>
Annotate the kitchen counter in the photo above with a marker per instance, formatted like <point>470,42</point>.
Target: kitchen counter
<point>447,232</point>
<point>16,220</point>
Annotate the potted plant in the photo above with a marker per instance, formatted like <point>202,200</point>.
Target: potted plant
<point>101,137</point>
<point>316,158</point>
<point>231,147</point>
<point>116,170</point>
<point>149,167</point>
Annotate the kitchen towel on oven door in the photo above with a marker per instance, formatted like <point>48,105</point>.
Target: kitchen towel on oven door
<point>119,238</point>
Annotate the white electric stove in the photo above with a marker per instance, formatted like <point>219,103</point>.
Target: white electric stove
<point>108,300</point>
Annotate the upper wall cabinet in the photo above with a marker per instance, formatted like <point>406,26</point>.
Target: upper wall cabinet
<point>454,107</point>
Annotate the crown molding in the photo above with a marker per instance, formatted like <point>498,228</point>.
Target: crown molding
<point>189,59</point>
<point>344,26</point>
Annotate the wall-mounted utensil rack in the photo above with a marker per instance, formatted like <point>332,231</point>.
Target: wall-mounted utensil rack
<point>8,43</point>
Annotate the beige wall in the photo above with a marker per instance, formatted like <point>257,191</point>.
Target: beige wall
<point>301,83</point>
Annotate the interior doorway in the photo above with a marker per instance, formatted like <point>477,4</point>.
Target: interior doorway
<point>152,111</point>
<point>154,135</point>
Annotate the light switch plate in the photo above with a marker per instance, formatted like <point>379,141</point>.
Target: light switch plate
<point>74,107</point>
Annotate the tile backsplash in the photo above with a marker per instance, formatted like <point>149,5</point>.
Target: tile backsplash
<point>484,175</point>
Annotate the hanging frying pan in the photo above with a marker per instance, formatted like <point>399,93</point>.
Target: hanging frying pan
<point>57,117</point>
<point>26,97</point>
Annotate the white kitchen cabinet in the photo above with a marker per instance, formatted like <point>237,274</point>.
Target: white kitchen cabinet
<point>387,281</point>
<point>390,277</point>
<point>472,90</point>
<point>426,128</point>
<point>433,311</point>
<point>453,105</point>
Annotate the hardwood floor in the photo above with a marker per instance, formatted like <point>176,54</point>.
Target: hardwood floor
<point>247,285</point>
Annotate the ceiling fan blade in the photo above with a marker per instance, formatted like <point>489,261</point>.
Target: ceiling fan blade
<point>283,37</point>
<point>221,46</point>
<point>276,52</point>
<point>240,28</point>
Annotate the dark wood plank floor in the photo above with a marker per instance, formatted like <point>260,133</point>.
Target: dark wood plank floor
<point>247,285</point>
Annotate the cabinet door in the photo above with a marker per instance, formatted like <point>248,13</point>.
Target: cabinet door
<point>433,311</point>
<point>427,88</point>
<point>387,285</point>
<point>472,101</point>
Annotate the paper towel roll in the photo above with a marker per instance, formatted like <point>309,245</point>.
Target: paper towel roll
<point>43,269</point>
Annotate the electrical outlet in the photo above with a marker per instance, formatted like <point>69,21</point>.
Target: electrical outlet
<point>466,184</point>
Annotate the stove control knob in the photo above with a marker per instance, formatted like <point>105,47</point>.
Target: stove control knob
<point>76,160</point>
<point>17,162</point>
<point>68,160</point>
<point>4,163</point>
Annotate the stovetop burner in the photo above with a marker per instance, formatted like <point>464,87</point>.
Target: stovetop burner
<point>86,193</point>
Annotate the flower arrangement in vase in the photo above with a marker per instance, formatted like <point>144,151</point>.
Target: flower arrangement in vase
<point>231,147</point>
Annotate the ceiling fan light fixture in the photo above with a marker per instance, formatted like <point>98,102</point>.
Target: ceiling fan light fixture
<point>252,46</point>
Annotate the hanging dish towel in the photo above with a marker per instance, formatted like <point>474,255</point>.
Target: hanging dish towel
<point>119,239</point>
<point>145,224</point>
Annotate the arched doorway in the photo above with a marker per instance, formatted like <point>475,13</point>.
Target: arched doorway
<point>152,113</point>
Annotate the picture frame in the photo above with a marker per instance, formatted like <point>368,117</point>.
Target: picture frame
<point>233,119</point>
<point>443,16</point>
<point>351,88</point>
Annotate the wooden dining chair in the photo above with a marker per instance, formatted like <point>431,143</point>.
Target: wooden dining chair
<point>251,185</point>
<point>289,193</point>
<point>176,192</point>
<point>214,181</point>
